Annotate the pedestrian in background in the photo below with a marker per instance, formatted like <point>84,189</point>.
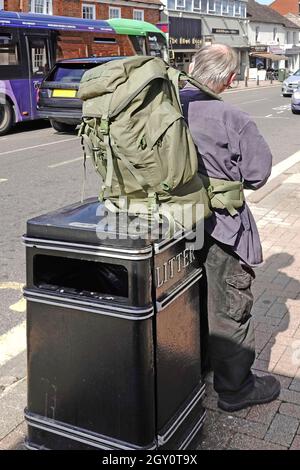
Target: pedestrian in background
<point>231,149</point>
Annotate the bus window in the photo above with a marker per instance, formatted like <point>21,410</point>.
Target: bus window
<point>139,44</point>
<point>157,45</point>
<point>8,50</point>
<point>38,54</point>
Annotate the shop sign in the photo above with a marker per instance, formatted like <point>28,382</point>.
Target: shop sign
<point>276,50</point>
<point>235,32</point>
<point>259,49</point>
<point>184,33</point>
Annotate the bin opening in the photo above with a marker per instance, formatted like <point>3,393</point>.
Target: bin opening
<point>81,276</point>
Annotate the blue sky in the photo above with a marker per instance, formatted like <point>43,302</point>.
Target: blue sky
<point>264,2</point>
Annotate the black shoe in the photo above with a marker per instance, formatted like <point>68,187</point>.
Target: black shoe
<point>265,389</point>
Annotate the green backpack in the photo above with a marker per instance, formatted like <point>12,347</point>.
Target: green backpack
<point>134,132</point>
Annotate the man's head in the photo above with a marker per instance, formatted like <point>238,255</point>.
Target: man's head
<point>215,66</point>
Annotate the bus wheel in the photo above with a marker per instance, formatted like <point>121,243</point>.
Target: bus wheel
<point>6,117</point>
<point>62,126</point>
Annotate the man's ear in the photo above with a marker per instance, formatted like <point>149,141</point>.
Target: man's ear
<point>231,79</point>
<point>191,67</point>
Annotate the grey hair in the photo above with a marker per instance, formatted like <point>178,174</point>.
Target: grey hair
<point>214,64</point>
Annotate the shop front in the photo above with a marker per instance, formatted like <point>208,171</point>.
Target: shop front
<point>293,56</point>
<point>184,40</point>
<point>266,61</point>
<point>229,31</point>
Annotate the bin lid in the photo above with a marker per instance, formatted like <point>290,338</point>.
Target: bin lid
<point>91,223</point>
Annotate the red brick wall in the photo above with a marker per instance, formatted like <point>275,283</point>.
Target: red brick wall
<point>286,6</point>
<point>73,8</point>
<point>70,45</point>
<point>16,5</point>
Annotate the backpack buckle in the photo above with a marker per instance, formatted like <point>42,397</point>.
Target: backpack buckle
<point>104,125</point>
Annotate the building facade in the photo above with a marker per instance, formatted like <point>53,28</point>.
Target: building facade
<point>286,6</point>
<point>148,10</point>
<point>274,41</point>
<point>192,23</point>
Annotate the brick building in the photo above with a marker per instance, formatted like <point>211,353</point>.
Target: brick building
<point>286,6</point>
<point>147,10</point>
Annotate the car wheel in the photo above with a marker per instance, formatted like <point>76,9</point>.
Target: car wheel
<point>285,95</point>
<point>62,126</point>
<point>6,117</point>
<point>294,111</point>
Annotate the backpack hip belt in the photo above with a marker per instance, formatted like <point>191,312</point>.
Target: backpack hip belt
<point>224,194</point>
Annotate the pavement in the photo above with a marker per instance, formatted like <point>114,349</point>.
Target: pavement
<point>254,84</point>
<point>276,208</point>
<point>274,426</point>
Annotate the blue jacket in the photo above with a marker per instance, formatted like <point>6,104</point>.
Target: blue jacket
<point>229,147</point>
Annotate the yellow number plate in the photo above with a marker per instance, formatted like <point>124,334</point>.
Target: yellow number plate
<point>64,93</point>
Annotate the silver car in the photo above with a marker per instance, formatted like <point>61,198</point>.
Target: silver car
<point>296,101</point>
<point>291,84</point>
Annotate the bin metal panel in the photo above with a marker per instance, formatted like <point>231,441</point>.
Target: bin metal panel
<point>80,372</point>
<point>139,273</point>
<point>88,223</point>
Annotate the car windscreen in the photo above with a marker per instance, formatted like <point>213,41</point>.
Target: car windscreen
<point>297,73</point>
<point>70,73</point>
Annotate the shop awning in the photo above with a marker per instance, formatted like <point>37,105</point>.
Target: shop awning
<point>268,55</point>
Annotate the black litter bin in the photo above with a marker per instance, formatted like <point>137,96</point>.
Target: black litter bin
<point>112,335</point>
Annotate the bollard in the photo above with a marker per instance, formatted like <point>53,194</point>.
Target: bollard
<point>257,81</point>
<point>271,79</point>
<point>246,82</point>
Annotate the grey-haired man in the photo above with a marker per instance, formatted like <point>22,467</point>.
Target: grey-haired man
<point>230,148</point>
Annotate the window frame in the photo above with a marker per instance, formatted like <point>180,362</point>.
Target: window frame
<point>231,3</point>
<point>204,10</point>
<point>225,11</point>
<point>197,8</point>
<point>295,38</point>
<point>237,10</point>
<point>211,10</point>
<point>136,10</point>
<point>111,8</point>
<point>180,8</point>
<point>11,43</point>
<point>47,7</point>
<point>89,5</point>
